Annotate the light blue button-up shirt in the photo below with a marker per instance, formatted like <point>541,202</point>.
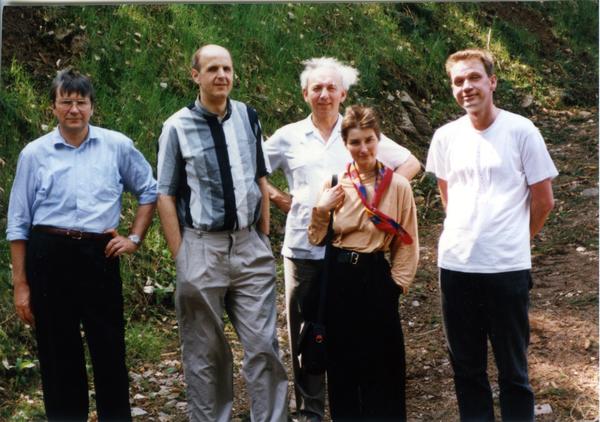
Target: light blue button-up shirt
<point>59,185</point>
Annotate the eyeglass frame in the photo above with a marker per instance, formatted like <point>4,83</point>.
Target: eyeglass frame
<point>81,104</point>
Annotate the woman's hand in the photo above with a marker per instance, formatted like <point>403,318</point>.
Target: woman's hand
<point>330,199</point>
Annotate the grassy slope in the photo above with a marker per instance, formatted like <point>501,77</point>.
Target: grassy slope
<point>138,57</point>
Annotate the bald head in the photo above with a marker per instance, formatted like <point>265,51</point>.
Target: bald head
<point>208,50</point>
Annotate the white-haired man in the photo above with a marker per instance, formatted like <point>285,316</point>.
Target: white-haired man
<point>308,152</point>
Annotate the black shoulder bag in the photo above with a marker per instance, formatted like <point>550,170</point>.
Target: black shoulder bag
<point>312,341</point>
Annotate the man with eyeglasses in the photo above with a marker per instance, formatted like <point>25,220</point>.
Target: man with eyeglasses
<point>63,215</point>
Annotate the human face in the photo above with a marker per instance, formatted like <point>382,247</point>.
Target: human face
<point>324,92</point>
<point>73,112</point>
<point>472,88</point>
<point>215,77</point>
<point>362,145</point>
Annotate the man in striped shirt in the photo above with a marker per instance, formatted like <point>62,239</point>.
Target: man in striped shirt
<point>214,211</point>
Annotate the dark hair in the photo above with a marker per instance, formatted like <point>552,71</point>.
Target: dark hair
<point>69,81</point>
<point>359,117</point>
<point>484,56</point>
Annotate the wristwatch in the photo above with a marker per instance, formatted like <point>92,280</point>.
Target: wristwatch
<point>135,239</point>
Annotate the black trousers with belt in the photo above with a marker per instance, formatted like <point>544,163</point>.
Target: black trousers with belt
<point>366,360</point>
<point>74,285</point>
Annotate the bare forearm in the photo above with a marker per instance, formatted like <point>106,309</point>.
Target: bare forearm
<point>443,188</point>
<point>17,253</point>
<point>143,219</point>
<point>265,213</point>
<point>282,200</point>
<point>410,168</point>
<point>167,212</point>
<point>542,202</point>
<point>22,295</point>
<point>537,220</point>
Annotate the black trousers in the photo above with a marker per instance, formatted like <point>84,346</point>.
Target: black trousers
<point>366,361</point>
<point>478,307</point>
<point>72,285</point>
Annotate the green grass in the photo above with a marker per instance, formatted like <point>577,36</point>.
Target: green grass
<point>146,340</point>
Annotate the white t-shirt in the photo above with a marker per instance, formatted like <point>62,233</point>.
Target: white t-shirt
<point>488,172</point>
<point>307,162</point>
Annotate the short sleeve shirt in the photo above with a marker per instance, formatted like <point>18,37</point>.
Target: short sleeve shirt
<point>488,173</point>
<point>212,166</point>
<point>307,162</point>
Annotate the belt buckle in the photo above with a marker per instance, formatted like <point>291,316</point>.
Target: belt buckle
<point>75,234</point>
<point>354,258</point>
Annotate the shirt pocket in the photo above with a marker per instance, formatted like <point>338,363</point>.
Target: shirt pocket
<point>300,177</point>
<point>107,184</point>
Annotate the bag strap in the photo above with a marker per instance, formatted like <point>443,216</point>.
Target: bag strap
<point>326,261</point>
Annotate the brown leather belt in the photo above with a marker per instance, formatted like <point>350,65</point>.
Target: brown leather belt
<point>71,234</point>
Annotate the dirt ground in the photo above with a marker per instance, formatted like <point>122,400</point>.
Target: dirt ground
<point>563,356</point>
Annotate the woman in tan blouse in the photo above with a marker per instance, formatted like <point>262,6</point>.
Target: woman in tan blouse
<point>366,364</point>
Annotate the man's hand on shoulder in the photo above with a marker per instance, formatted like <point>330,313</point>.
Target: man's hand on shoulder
<point>119,245</point>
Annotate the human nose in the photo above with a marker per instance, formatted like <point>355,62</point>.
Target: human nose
<point>73,104</point>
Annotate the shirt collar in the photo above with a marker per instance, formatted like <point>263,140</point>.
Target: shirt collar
<point>198,105</point>
<point>57,138</point>
<point>310,128</point>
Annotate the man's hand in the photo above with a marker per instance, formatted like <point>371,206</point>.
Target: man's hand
<point>282,200</point>
<point>23,302</point>
<point>118,245</point>
<point>22,296</point>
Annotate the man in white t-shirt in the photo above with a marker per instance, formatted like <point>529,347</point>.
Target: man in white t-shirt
<point>494,174</point>
<point>309,152</point>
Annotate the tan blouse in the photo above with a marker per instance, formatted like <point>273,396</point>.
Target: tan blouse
<point>354,231</point>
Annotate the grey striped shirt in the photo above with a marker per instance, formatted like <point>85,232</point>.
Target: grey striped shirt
<point>212,166</point>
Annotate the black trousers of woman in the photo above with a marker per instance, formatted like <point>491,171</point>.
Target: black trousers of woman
<point>74,285</point>
<point>366,363</point>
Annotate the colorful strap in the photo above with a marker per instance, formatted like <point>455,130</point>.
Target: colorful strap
<point>383,177</point>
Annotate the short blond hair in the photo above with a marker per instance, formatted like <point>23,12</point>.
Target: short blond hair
<point>480,54</point>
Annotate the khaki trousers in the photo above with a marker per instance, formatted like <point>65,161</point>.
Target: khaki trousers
<point>231,271</point>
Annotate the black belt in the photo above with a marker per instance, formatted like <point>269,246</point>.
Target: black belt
<point>344,256</point>
<point>71,234</point>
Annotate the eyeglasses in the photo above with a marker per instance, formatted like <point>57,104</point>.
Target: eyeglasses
<point>68,104</point>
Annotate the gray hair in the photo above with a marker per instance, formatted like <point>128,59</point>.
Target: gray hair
<point>348,74</point>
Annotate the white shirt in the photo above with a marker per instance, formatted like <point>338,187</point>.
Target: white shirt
<point>488,172</point>
<point>307,162</point>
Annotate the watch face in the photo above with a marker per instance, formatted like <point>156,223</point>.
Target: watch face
<point>134,238</point>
